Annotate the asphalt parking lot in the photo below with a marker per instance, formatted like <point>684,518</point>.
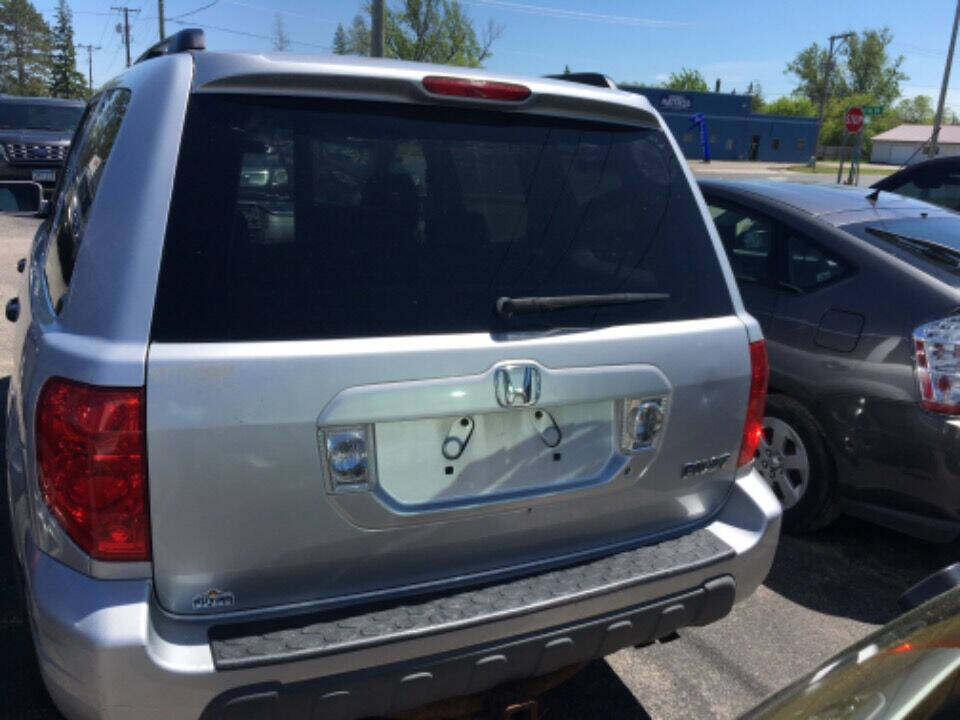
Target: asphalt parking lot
<point>824,592</point>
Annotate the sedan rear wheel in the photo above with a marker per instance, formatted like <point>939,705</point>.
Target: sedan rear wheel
<point>793,458</point>
<point>782,460</point>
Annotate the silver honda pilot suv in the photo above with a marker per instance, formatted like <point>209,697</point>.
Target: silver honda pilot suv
<point>346,386</point>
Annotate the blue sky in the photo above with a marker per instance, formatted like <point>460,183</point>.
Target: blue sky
<point>640,40</point>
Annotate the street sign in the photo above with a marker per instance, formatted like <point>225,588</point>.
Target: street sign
<point>853,119</point>
<point>873,110</point>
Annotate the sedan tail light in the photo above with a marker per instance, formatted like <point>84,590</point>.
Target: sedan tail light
<point>936,347</point>
<point>753,425</point>
<point>91,458</point>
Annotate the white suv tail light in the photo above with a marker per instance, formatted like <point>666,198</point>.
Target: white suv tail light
<point>937,354</point>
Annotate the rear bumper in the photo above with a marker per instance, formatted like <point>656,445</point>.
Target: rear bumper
<point>107,651</point>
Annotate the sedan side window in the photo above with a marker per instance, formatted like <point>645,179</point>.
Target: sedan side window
<point>748,239</point>
<point>809,266</point>
<point>934,185</point>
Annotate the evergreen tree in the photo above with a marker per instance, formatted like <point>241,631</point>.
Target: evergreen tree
<point>281,41</point>
<point>65,80</point>
<point>340,46</point>
<point>24,49</point>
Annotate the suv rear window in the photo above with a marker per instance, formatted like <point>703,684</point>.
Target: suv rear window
<point>311,219</point>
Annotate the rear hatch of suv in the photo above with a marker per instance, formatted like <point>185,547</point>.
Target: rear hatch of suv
<point>361,382</point>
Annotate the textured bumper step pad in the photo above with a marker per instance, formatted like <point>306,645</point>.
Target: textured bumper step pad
<point>236,647</point>
<point>403,686</point>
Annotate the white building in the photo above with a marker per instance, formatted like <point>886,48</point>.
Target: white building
<point>899,145</point>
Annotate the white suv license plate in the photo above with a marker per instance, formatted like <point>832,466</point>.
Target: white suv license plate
<point>44,175</point>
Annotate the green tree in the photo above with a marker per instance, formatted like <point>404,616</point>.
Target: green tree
<point>686,79</point>
<point>917,110</point>
<point>65,80</point>
<point>281,41</point>
<point>809,67</point>
<point>24,49</point>
<point>358,37</point>
<point>862,66</point>
<point>755,91</point>
<point>791,106</point>
<point>870,69</point>
<point>566,69</point>
<point>834,132</point>
<point>437,31</point>
<point>340,46</point>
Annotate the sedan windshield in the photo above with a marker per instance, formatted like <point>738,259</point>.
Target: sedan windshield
<point>39,116</point>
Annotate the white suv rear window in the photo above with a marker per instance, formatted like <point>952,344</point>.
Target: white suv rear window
<point>307,219</point>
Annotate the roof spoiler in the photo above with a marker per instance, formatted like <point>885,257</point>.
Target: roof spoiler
<point>187,39</point>
<point>587,78</point>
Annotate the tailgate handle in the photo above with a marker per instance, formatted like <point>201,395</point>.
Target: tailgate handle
<point>547,428</point>
<point>457,438</point>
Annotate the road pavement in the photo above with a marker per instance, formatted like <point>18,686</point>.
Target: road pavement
<point>824,592</point>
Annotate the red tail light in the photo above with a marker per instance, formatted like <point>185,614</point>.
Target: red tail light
<point>936,347</point>
<point>479,89</point>
<point>753,426</point>
<point>91,458</point>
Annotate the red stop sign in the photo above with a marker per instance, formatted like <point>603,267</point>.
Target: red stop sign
<point>853,119</point>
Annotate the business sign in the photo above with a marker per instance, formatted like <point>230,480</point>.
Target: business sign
<point>853,119</point>
<point>675,102</point>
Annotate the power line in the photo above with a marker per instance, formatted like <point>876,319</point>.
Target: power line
<point>194,12</point>
<point>577,14</point>
<point>243,33</point>
<point>291,13</point>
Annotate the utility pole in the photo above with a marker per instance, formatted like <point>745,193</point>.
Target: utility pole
<point>89,48</point>
<point>163,32</point>
<point>126,27</point>
<point>938,118</point>
<point>376,28</point>
<point>826,83</point>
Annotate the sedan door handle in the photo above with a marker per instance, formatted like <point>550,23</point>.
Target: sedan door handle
<point>13,309</point>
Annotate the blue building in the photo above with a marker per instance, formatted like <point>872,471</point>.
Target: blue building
<point>735,133</point>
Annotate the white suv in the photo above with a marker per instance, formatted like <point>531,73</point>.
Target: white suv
<point>345,386</point>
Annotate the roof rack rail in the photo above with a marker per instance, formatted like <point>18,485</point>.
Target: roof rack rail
<point>586,78</point>
<point>182,41</point>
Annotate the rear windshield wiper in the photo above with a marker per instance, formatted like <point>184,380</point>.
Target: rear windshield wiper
<point>927,248</point>
<point>507,306</point>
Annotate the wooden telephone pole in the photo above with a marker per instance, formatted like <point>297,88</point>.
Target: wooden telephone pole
<point>126,27</point>
<point>376,28</point>
<point>89,48</point>
<point>938,119</point>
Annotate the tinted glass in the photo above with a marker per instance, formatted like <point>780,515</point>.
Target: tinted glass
<point>81,178</point>
<point>19,197</point>
<point>931,240</point>
<point>748,239</point>
<point>313,219</point>
<point>940,186</point>
<point>809,266</point>
<point>39,116</point>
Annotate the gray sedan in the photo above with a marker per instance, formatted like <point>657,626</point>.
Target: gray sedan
<point>858,293</point>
